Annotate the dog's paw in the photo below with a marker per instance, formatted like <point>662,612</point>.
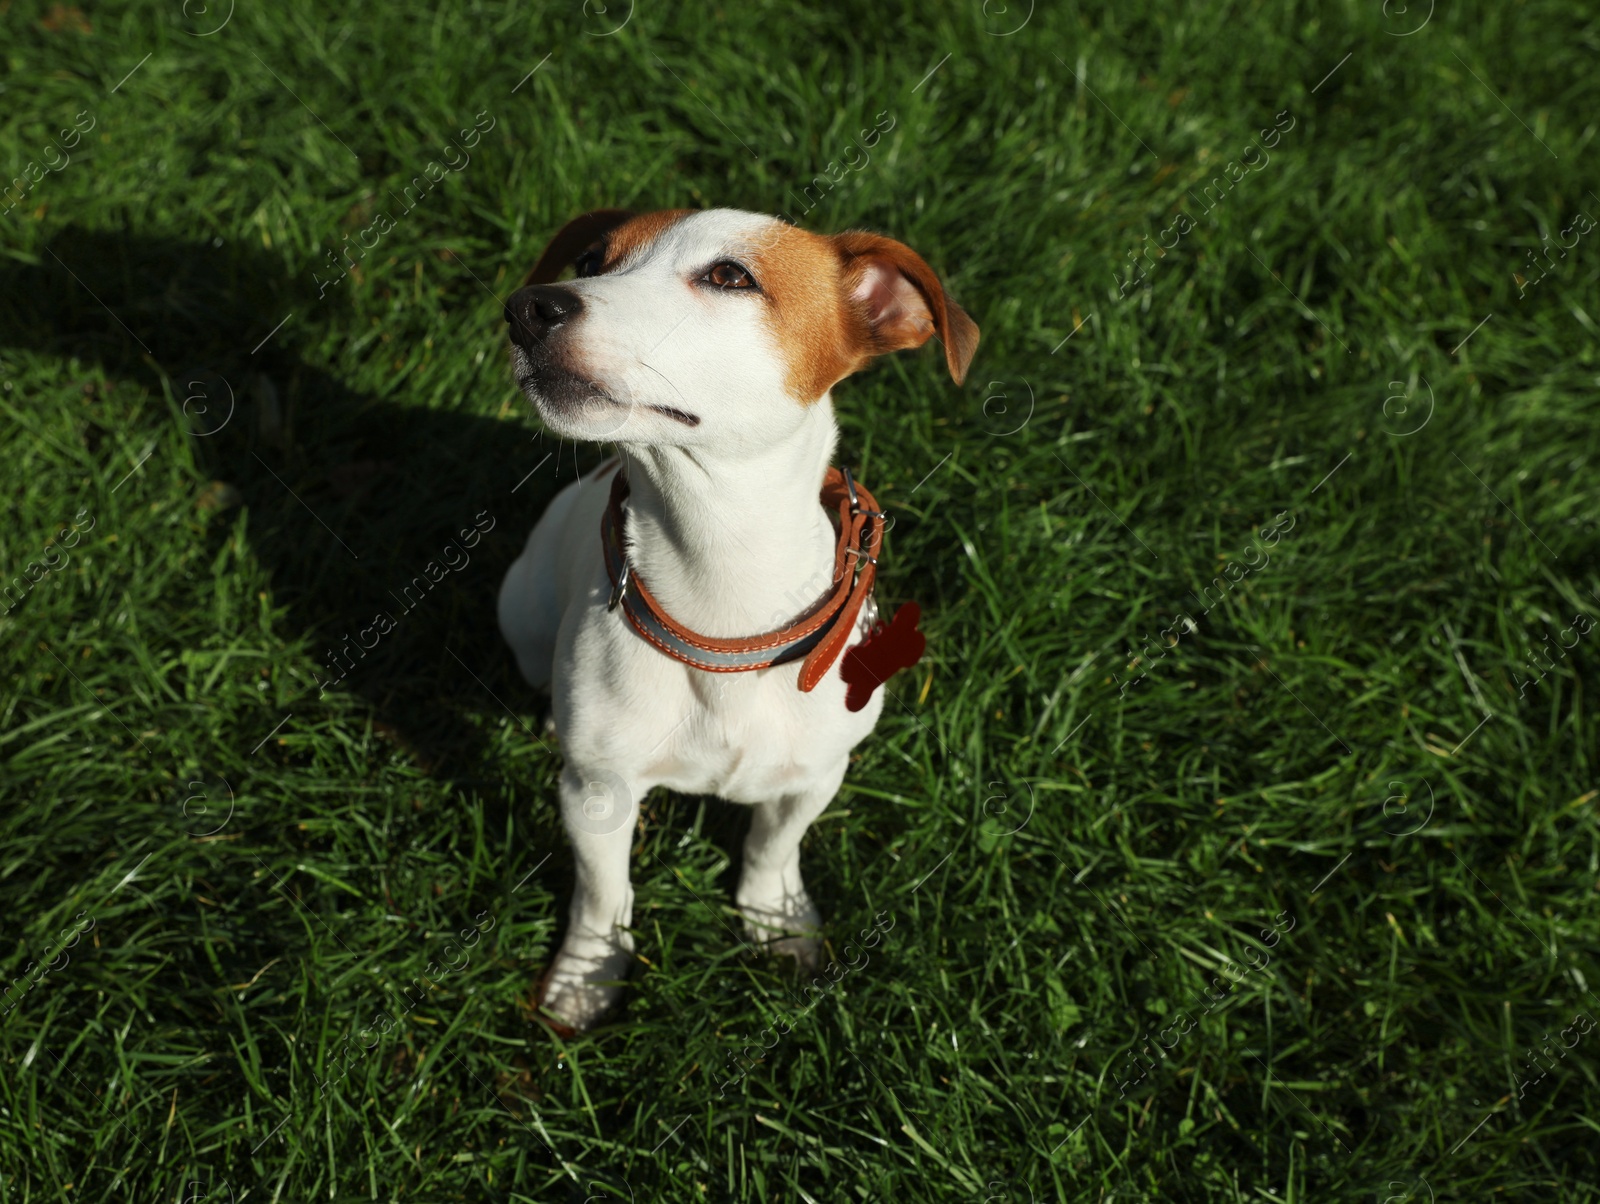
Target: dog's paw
<point>791,927</point>
<point>806,951</point>
<point>585,981</point>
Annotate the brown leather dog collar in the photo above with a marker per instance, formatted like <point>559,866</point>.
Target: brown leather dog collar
<point>819,635</point>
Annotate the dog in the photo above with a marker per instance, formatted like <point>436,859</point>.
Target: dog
<point>691,605</point>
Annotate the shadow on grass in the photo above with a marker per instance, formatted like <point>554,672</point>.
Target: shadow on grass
<point>356,504</point>
<point>350,498</point>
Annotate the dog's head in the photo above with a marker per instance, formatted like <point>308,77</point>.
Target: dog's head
<point>686,326</point>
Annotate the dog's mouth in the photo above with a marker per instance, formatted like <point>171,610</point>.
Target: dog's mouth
<point>562,391</point>
<point>677,415</point>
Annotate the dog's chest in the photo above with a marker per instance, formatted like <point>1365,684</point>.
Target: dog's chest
<point>748,737</point>
<point>745,737</point>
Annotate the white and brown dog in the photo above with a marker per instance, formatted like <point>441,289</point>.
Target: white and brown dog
<point>695,609</point>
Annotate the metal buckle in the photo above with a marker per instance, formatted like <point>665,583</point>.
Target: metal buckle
<point>620,588</point>
<point>855,502</point>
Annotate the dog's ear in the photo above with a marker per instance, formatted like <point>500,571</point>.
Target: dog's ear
<point>902,300</point>
<point>572,240</point>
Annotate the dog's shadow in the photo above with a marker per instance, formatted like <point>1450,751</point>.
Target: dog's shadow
<point>356,503</point>
<point>359,506</point>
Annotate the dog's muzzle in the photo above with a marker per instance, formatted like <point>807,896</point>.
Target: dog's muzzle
<point>535,311</point>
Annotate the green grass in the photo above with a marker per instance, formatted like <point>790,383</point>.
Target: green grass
<point>1302,796</point>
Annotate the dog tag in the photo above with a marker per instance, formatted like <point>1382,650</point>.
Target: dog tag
<point>897,645</point>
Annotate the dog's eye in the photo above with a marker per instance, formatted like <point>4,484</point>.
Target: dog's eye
<point>728,274</point>
<point>588,264</point>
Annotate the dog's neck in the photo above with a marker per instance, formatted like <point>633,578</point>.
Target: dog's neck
<point>734,543</point>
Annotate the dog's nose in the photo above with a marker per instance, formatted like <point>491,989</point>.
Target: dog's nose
<point>535,311</point>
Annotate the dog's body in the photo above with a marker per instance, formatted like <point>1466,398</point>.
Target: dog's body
<point>719,404</point>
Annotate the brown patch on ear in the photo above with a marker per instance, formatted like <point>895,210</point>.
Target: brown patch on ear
<point>638,233</point>
<point>572,240</point>
<point>900,300</point>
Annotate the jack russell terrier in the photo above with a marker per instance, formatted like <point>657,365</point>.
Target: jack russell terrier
<point>701,606</point>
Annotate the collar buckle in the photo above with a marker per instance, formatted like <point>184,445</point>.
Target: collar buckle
<point>621,587</point>
<point>855,501</point>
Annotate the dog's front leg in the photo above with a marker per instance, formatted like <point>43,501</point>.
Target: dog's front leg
<point>778,913</point>
<point>599,810</point>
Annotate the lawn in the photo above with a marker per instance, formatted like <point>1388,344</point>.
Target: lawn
<point>1235,841</point>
